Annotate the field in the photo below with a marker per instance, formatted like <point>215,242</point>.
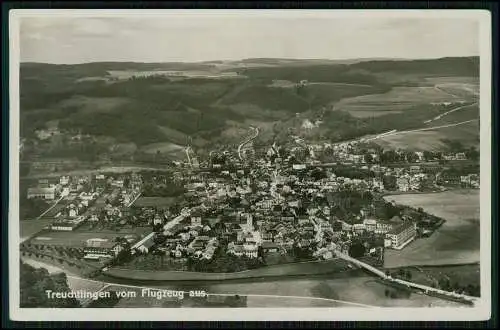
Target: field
<point>89,105</point>
<point>125,230</point>
<point>314,292</point>
<point>456,242</point>
<point>31,227</point>
<point>459,86</point>
<point>456,115</point>
<point>396,100</point>
<point>42,264</point>
<point>432,140</point>
<point>72,239</point>
<point>153,201</point>
<point>161,147</point>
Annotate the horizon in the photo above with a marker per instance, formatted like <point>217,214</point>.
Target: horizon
<point>196,37</point>
<point>365,59</point>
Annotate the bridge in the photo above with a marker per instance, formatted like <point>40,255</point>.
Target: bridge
<point>411,285</point>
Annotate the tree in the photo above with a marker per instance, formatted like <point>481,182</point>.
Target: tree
<point>357,250</point>
<point>337,226</point>
<point>411,157</point>
<point>368,158</point>
<point>389,156</point>
<point>35,281</point>
<point>318,174</point>
<point>472,154</point>
<point>389,182</point>
<point>427,155</point>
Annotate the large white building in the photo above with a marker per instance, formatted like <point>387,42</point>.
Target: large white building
<point>401,235</point>
<point>47,193</point>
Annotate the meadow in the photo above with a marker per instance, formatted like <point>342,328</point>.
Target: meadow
<point>433,140</point>
<point>457,241</point>
<point>397,100</point>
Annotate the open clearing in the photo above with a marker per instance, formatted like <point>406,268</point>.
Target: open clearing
<point>456,242</point>
<point>460,86</point>
<point>86,104</point>
<point>29,228</point>
<point>161,147</point>
<point>432,140</point>
<point>396,100</point>
<point>456,115</point>
<point>153,201</point>
<point>72,239</point>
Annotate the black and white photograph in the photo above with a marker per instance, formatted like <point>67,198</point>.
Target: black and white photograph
<point>250,165</point>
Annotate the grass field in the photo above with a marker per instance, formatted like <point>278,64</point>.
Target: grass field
<point>395,101</point>
<point>460,115</point>
<point>154,201</point>
<point>363,290</point>
<point>161,147</point>
<point>432,140</point>
<point>456,242</point>
<point>459,86</point>
<point>31,227</point>
<point>304,293</point>
<point>86,104</point>
<point>72,239</point>
<point>125,230</point>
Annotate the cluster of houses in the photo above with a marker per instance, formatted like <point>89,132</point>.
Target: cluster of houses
<point>260,211</point>
<point>274,207</point>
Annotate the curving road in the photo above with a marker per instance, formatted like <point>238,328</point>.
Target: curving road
<point>247,141</point>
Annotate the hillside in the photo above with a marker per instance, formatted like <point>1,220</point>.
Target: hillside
<point>162,106</point>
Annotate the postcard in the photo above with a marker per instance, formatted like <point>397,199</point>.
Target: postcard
<point>250,165</point>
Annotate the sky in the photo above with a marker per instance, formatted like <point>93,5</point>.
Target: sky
<point>206,36</point>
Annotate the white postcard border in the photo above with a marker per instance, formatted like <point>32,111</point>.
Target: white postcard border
<point>480,312</point>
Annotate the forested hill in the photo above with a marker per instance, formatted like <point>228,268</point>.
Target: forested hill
<point>148,103</point>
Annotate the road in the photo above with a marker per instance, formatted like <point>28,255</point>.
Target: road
<point>424,288</point>
<point>448,112</point>
<point>247,141</point>
<point>439,89</point>
<point>175,221</point>
<point>133,201</point>
<point>187,150</point>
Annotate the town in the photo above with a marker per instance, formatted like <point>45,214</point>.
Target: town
<point>236,211</point>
